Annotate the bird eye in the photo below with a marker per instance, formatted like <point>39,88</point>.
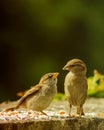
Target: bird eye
<point>75,65</point>
<point>72,65</point>
<point>50,76</point>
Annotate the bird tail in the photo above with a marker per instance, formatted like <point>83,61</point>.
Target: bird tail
<point>11,108</point>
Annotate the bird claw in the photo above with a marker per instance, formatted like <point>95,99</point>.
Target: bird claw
<point>43,113</point>
<point>74,116</point>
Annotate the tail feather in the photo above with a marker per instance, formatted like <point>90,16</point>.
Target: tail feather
<point>11,109</point>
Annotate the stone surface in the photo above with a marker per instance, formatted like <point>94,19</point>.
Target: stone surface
<point>56,124</point>
<point>57,118</point>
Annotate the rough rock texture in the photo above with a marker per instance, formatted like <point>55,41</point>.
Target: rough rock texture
<point>56,124</point>
<point>93,119</point>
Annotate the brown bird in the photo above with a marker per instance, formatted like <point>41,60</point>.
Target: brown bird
<point>75,84</point>
<point>39,96</point>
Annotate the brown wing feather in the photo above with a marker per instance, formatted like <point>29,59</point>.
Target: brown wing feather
<point>33,90</point>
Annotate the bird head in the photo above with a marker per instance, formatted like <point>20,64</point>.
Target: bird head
<point>49,78</point>
<point>76,66</point>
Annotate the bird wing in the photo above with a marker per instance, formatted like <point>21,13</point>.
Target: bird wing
<point>33,90</point>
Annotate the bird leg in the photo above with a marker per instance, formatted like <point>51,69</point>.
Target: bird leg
<point>80,110</point>
<point>43,113</point>
<point>70,107</point>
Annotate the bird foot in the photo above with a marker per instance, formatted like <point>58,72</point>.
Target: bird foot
<point>43,113</point>
<point>74,115</point>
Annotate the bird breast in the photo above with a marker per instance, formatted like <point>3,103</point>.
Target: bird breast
<point>42,100</point>
<point>76,88</point>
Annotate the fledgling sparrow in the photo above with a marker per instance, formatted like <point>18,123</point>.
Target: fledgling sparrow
<point>39,96</point>
<point>75,85</point>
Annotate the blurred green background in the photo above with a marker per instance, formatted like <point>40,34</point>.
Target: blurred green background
<point>40,36</point>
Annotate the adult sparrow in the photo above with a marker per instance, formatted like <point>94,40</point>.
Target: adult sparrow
<point>75,85</point>
<point>39,96</point>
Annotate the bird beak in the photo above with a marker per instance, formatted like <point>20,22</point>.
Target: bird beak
<point>65,67</point>
<point>55,75</point>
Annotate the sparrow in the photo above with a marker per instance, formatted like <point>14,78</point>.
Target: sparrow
<point>75,85</point>
<point>39,96</point>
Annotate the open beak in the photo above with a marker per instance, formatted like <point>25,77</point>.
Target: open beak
<point>55,75</point>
